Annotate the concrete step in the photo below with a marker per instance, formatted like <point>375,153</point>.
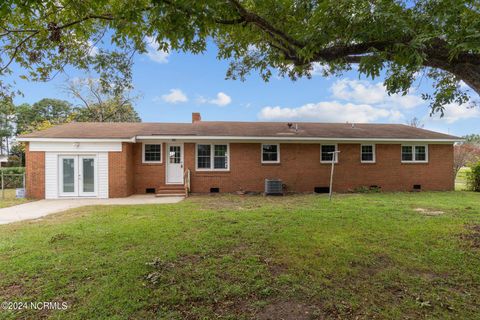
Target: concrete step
<point>171,190</point>
<point>170,195</point>
<point>172,187</point>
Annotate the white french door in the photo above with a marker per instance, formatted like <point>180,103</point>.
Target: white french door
<point>78,176</point>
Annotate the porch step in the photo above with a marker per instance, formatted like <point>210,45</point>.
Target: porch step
<point>163,191</point>
<point>171,191</point>
<point>170,195</point>
<point>172,187</point>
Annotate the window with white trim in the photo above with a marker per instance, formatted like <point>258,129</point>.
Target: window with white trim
<point>212,157</point>
<point>367,153</point>
<point>415,153</point>
<point>326,154</point>
<point>152,153</point>
<point>270,153</point>
<point>220,156</point>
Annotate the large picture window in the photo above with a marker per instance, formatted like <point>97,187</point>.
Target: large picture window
<point>415,153</point>
<point>326,154</point>
<point>270,153</point>
<point>212,157</point>
<point>152,153</point>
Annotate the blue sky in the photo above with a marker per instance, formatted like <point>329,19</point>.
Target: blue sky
<point>172,85</point>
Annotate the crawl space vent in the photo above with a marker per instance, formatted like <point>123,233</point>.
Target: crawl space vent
<point>417,187</point>
<point>321,189</point>
<point>214,190</point>
<point>150,190</point>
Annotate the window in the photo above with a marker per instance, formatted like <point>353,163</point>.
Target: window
<point>203,156</point>
<point>367,153</point>
<point>326,153</point>
<point>415,153</point>
<point>212,157</point>
<point>270,153</point>
<point>175,154</point>
<point>152,153</point>
<point>220,156</point>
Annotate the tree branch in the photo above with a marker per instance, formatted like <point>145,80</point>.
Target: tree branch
<point>263,24</point>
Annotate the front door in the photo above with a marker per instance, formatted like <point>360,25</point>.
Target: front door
<point>175,164</point>
<point>78,176</point>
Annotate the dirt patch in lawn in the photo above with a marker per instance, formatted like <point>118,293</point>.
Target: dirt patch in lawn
<point>472,237</point>
<point>428,212</point>
<point>12,290</point>
<point>288,310</point>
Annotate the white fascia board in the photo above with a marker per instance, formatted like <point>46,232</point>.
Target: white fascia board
<point>295,139</point>
<point>74,140</point>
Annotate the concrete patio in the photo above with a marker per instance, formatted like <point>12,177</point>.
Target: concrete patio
<point>41,208</point>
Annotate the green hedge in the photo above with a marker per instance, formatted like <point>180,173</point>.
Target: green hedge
<point>473,177</point>
<point>10,170</point>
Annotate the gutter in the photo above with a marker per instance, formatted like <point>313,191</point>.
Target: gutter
<point>26,139</point>
<point>236,138</point>
<point>317,139</point>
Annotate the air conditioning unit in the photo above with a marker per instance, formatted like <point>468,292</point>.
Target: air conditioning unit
<point>273,187</point>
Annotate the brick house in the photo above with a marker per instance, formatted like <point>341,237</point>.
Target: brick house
<point>108,160</point>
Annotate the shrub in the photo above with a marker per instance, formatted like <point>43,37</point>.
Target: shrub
<point>12,170</point>
<point>473,177</point>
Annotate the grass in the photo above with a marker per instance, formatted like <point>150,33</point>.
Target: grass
<point>361,256</point>
<point>10,199</point>
<point>461,179</point>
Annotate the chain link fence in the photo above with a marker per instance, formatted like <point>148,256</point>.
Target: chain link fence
<point>12,181</point>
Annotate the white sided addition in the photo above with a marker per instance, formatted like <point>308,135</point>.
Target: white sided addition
<point>76,169</point>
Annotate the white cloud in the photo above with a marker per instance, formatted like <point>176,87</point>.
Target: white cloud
<point>93,50</point>
<point>153,53</point>
<point>361,91</point>
<point>318,69</point>
<point>221,100</point>
<point>455,112</point>
<point>175,96</point>
<point>331,111</point>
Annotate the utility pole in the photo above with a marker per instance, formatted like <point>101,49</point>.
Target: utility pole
<point>334,158</point>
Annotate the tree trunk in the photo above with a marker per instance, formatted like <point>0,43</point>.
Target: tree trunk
<point>470,74</point>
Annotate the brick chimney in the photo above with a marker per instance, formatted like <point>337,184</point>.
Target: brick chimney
<point>196,117</point>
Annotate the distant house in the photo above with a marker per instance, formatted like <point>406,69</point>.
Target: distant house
<point>3,159</point>
<point>108,160</point>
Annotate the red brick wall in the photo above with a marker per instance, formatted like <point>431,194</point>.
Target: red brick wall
<point>35,173</point>
<point>301,170</point>
<point>147,175</point>
<point>120,172</point>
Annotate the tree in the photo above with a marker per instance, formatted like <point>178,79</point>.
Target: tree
<point>464,154</point>
<point>439,39</point>
<point>415,122</point>
<point>7,114</point>
<point>472,138</point>
<point>99,104</point>
<point>52,111</point>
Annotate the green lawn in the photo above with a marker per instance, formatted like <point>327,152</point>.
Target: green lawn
<point>10,199</point>
<point>365,256</point>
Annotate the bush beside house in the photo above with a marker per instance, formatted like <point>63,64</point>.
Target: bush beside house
<point>473,177</point>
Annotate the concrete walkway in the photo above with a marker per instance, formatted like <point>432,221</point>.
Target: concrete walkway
<point>41,208</point>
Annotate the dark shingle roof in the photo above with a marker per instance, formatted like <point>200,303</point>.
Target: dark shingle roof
<point>85,130</point>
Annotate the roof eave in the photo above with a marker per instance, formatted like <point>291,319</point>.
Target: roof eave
<point>270,138</point>
<point>45,139</point>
